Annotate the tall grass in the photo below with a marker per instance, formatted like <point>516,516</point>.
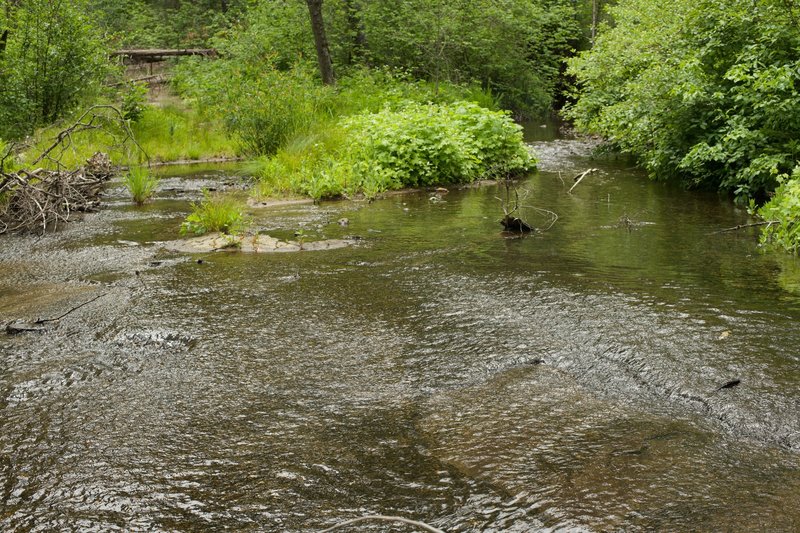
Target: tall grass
<point>169,133</point>
<point>141,184</point>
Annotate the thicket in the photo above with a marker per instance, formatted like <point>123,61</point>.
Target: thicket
<point>704,91</point>
<point>51,58</point>
<point>513,48</point>
<point>164,23</point>
<point>510,48</point>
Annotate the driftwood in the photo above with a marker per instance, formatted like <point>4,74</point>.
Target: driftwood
<point>743,226</point>
<point>515,225</point>
<point>512,204</point>
<point>43,199</point>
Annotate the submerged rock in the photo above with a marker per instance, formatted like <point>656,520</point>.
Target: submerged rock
<point>218,242</point>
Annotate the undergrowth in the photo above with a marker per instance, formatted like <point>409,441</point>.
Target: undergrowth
<point>782,214</point>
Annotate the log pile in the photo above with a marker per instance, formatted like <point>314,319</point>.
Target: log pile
<point>42,200</point>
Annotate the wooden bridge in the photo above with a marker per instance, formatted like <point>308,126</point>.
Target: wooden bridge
<point>156,55</point>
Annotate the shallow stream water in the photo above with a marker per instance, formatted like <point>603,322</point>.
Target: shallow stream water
<point>439,370</point>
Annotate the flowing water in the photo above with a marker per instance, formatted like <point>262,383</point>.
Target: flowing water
<point>439,370</point>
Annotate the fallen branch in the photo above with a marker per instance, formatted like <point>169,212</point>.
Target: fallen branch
<point>416,523</point>
<point>15,328</point>
<point>743,226</point>
<point>45,320</point>
<point>579,178</point>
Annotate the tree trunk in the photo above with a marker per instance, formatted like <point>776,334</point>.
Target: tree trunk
<point>321,42</point>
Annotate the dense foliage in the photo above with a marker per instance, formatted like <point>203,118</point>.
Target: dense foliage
<point>512,48</point>
<point>703,90</point>
<point>422,145</point>
<point>53,57</point>
<point>164,23</point>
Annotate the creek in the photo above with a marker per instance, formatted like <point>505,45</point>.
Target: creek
<point>437,370</point>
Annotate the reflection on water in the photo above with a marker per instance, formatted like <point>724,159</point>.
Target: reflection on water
<point>438,371</point>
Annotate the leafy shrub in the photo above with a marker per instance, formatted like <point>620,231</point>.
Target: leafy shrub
<point>783,214</point>
<point>699,90</point>
<point>424,145</point>
<point>216,212</point>
<point>141,184</point>
<point>54,57</point>
<point>417,145</point>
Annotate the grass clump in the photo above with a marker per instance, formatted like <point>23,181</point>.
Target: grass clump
<point>216,212</point>
<point>141,184</point>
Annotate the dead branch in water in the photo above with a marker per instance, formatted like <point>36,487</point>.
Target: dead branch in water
<point>579,178</point>
<point>743,226</point>
<point>512,203</point>
<point>45,320</point>
<point>41,199</point>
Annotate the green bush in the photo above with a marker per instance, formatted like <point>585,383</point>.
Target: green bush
<point>141,184</point>
<point>424,145</point>
<point>216,212</point>
<point>54,57</point>
<point>782,213</point>
<point>699,90</point>
<point>417,145</point>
